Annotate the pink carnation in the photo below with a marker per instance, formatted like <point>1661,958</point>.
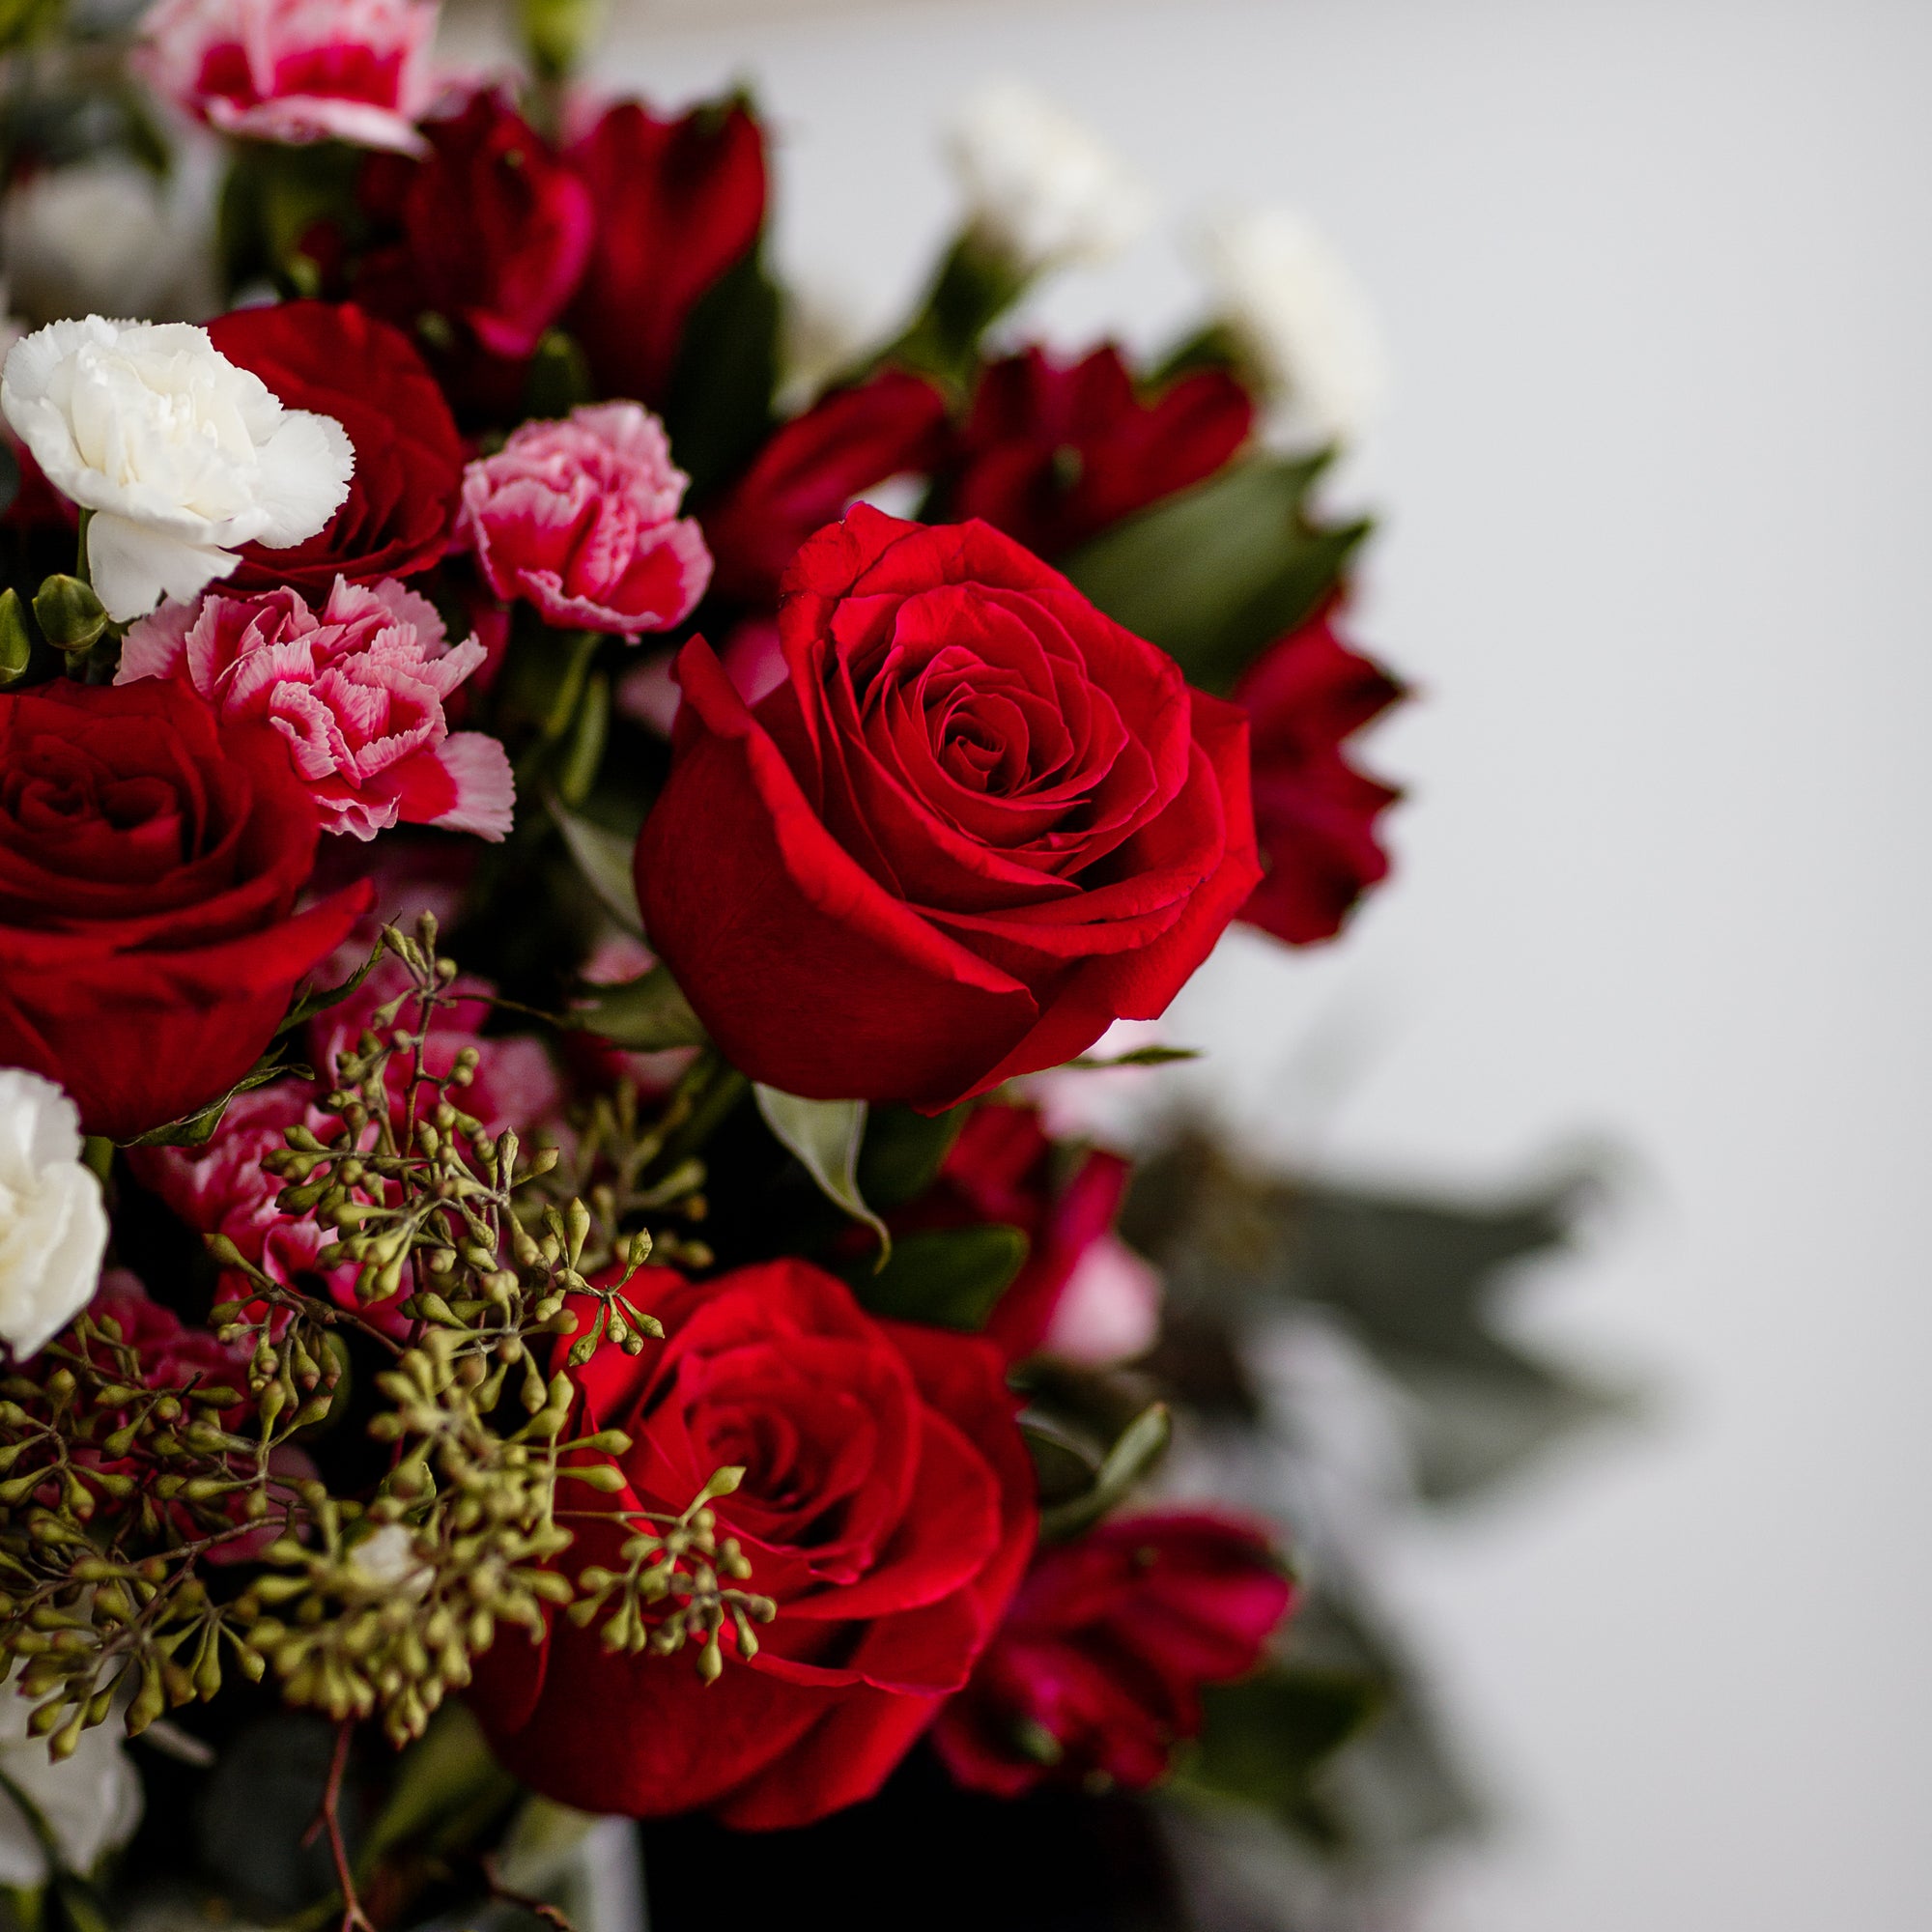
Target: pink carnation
<point>223,1190</point>
<point>295,70</point>
<point>357,692</point>
<point>580,516</point>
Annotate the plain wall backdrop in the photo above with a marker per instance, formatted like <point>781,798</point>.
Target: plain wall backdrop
<point>1656,480</point>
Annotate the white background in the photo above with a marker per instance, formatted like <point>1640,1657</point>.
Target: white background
<point>1657,483</point>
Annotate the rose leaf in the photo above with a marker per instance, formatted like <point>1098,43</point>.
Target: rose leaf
<point>825,1136</point>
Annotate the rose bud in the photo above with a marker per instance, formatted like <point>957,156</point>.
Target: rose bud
<point>847,442</point>
<point>977,823</point>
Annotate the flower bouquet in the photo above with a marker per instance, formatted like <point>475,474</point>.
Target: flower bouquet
<point>565,875</point>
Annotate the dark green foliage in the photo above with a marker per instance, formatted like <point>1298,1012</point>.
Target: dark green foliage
<point>1218,572</point>
<point>947,1277</point>
<point>903,1150</point>
<point>718,409</point>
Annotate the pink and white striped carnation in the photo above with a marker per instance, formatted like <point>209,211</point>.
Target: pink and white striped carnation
<point>580,516</point>
<point>357,689</point>
<point>295,70</point>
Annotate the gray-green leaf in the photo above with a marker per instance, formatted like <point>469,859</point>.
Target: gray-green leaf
<point>825,1136</point>
<point>604,858</point>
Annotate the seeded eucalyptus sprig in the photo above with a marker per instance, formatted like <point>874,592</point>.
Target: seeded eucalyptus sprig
<point>117,1494</point>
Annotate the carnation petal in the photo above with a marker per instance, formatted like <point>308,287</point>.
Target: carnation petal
<point>305,468</point>
<point>486,786</point>
<point>158,645</point>
<point>135,566</point>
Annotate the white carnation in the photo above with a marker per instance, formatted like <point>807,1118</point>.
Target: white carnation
<point>90,1802</point>
<point>179,454</point>
<point>1301,320</point>
<point>1043,187</point>
<point>53,1229</point>
<point>105,233</point>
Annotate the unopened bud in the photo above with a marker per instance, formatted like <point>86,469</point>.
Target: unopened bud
<point>16,646</point>
<point>70,616</point>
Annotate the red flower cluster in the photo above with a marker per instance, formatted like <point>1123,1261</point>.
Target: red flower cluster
<point>495,235</point>
<point>1054,454</point>
<point>932,821</point>
<point>886,1508</point>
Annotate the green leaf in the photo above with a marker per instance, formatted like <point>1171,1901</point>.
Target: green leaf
<point>319,1000</point>
<point>824,1136</point>
<point>17,646</point>
<point>973,286</point>
<point>719,406</point>
<point>948,1277</point>
<point>647,1014</point>
<point>904,1151</point>
<point>1138,1448</point>
<point>1140,1056</point>
<point>1265,1739</point>
<point>198,1129</point>
<point>1217,572</point>
<point>604,858</point>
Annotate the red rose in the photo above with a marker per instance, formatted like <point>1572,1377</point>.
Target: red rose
<point>677,202</point>
<point>1003,1168</point>
<point>334,358</point>
<point>149,866</point>
<point>491,232</point>
<point>886,1508</point>
<point>978,823</point>
<point>1055,454</point>
<point>812,467</point>
<point>1096,1672</point>
<point>1314,813</point>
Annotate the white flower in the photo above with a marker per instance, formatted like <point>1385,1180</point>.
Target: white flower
<point>387,1561</point>
<point>91,1801</point>
<point>1041,187</point>
<point>53,1229</point>
<point>179,454</point>
<point>105,233</point>
<point>1300,318</point>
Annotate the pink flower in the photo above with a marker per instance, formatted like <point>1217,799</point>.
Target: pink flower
<point>295,70</point>
<point>580,516</point>
<point>356,690</point>
<point>222,1189</point>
